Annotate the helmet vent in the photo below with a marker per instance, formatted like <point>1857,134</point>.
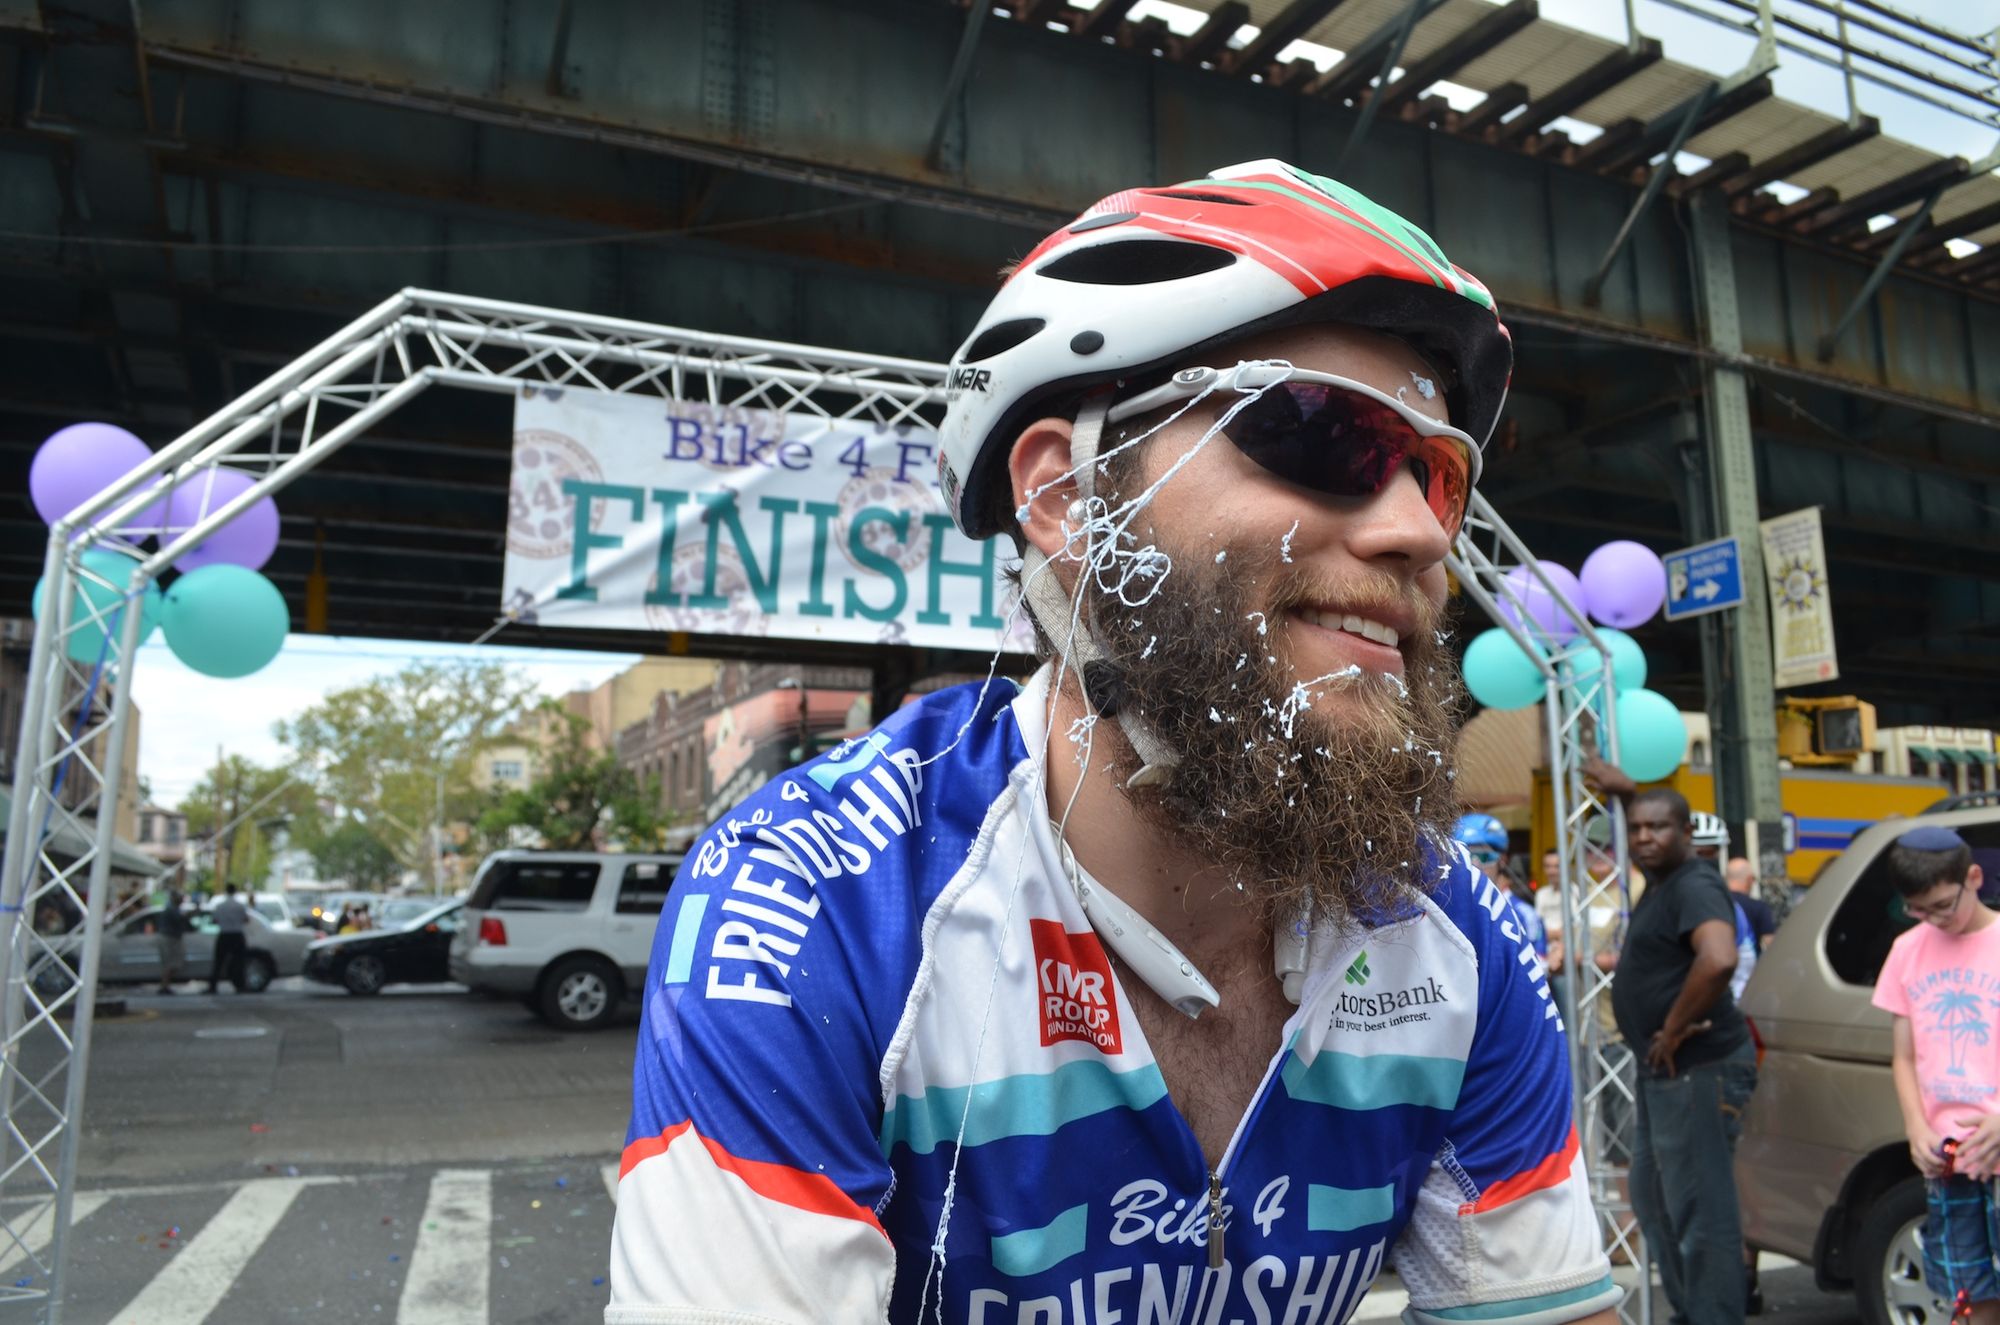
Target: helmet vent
<point>1201,197</point>
<point>1136,262</point>
<point>1001,337</point>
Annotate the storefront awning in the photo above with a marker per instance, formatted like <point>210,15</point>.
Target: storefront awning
<point>67,842</point>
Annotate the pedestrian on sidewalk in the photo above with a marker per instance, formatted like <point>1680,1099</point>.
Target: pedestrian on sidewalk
<point>1938,983</point>
<point>173,935</point>
<point>231,918</point>
<point>1696,1064</point>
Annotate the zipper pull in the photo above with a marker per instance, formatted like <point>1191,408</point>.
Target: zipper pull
<point>1214,1221</point>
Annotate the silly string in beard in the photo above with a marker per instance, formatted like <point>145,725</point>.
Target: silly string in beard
<point>1338,794</point>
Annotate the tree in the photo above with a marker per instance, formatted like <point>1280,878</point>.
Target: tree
<point>261,798</point>
<point>581,799</point>
<point>355,856</point>
<point>384,749</point>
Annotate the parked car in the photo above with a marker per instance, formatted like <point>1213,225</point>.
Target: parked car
<point>276,908</point>
<point>415,952</point>
<point>396,912</point>
<point>1823,1166</point>
<point>568,932</point>
<point>132,950</point>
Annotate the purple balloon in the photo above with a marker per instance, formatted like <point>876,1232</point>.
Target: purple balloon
<point>1541,606</point>
<point>80,461</point>
<point>248,540</point>
<point>1625,584</point>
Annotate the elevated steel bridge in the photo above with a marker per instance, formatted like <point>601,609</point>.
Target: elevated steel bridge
<point>196,190</point>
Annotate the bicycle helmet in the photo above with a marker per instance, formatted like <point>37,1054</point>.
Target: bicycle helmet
<point>1147,278</point>
<point>1480,830</point>
<point>1709,830</point>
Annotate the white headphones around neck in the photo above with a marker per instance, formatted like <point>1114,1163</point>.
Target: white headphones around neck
<point>1154,958</point>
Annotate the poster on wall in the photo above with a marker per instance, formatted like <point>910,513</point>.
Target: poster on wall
<point>631,512</point>
<point>1801,603</point>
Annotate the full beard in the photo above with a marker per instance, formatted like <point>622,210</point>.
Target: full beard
<point>1336,794</point>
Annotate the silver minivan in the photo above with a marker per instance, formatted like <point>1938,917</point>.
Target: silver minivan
<point>1823,1168</point>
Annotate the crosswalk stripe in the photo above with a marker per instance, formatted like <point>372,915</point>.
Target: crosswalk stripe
<point>448,1272</point>
<point>34,1235</point>
<point>610,1175</point>
<point>197,1279</point>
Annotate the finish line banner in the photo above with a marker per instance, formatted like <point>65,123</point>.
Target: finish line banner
<point>632,512</point>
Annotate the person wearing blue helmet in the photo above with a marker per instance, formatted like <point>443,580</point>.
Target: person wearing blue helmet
<point>1485,840</point>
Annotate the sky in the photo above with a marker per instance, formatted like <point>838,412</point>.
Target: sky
<point>186,716</point>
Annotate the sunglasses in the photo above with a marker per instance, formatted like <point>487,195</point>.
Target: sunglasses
<point>1330,434</point>
<point>1485,856</point>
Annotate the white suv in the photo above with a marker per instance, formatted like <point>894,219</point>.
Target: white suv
<point>567,932</point>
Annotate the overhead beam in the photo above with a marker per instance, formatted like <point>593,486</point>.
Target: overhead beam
<point>1934,235</point>
<point>1292,22</point>
<point>1856,212</point>
<point>1711,174</point>
<point>1364,62</point>
<point>1829,341</point>
<point>1451,56</point>
<point>1789,214</point>
<point>1713,106</point>
<point>1803,156</point>
<point>1586,87</point>
<point>1490,111</point>
<point>1206,42</point>
<point>1973,266</point>
<point>1100,23</point>
<point>1690,115</point>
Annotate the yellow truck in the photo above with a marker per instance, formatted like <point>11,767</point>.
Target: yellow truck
<point>1824,808</point>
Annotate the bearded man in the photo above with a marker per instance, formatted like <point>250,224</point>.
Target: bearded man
<point>1154,990</point>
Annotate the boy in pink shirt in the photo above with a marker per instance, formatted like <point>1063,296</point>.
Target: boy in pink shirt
<point>1942,983</point>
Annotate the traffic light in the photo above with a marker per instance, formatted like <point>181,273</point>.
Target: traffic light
<point>1833,731</point>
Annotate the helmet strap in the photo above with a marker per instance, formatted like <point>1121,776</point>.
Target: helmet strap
<point>1062,620</point>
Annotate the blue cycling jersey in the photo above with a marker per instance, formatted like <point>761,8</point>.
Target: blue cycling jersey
<point>888,1071</point>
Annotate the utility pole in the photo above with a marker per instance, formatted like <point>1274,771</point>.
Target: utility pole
<point>1745,743</point>
<point>222,816</point>
<point>437,840</point>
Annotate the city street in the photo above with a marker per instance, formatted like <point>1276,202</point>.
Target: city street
<point>424,1156</point>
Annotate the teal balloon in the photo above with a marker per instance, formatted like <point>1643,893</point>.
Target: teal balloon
<point>1499,674</point>
<point>87,639</point>
<point>1628,661</point>
<point>1652,735</point>
<point>225,620</point>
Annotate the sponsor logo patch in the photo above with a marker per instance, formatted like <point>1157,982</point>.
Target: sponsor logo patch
<point>1075,1000</point>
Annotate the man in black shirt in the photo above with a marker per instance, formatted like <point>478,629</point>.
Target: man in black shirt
<point>1696,1064</point>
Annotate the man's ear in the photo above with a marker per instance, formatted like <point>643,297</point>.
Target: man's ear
<point>1974,877</point>
<point>1039,466</point>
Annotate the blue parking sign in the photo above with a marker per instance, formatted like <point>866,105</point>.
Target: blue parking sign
<point>1704,578</point>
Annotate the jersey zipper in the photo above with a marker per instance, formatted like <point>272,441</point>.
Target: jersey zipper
<point>1215,1229</point>
<point>1243,1125</point>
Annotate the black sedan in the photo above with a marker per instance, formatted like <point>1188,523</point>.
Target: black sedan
<point>413,953</point>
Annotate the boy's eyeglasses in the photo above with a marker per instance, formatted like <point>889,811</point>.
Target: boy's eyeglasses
<point>1330,434</point>
<point>1936,912</point>
<point>1485,856</point>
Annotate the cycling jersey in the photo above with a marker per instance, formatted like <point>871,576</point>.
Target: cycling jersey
<point>887,1071</point>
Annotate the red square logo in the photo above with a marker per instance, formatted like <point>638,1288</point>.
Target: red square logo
<point>1075,997</point>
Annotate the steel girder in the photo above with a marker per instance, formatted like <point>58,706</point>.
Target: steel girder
<point>847,98</point>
